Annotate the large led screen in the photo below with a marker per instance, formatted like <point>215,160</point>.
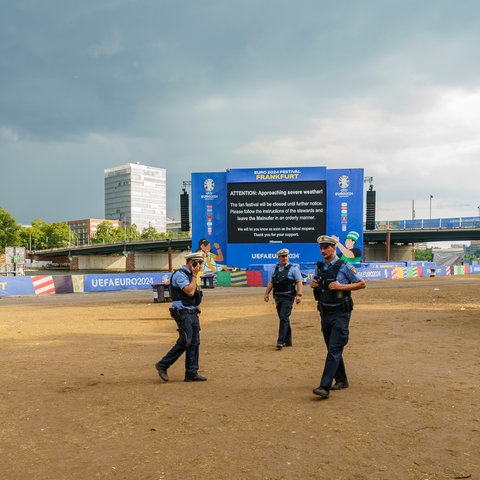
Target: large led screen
<point>288,212</point>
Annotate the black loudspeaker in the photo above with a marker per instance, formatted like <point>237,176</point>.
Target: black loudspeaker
<point>184,212</point>
<point>370,223</point>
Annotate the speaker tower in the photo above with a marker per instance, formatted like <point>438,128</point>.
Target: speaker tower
<point>184,212</point>
<point>370,223</point>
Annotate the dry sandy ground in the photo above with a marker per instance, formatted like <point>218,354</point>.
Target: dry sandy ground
<point>80,398</point>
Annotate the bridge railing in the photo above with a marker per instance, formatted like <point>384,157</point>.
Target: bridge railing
<point>423,223</point>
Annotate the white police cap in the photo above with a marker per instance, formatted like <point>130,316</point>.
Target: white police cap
<point>198,256</point>
<point>282,252</point>
<point>326,240</point>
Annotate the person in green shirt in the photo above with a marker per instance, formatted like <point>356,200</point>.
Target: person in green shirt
<point>350,253</point>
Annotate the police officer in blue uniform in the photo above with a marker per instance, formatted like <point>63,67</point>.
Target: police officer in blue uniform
<point>332,286</point>
<point>286,283</point>
<point>186,298</point>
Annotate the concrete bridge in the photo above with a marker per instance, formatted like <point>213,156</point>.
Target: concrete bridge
<point>391,241</point>
<point>139,255</point>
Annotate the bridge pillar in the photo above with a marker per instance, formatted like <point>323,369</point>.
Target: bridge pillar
<point>74,264</point>
<point>130,262</point>
<point>394,253</point>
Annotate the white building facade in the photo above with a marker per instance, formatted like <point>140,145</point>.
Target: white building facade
<point>137,194</point>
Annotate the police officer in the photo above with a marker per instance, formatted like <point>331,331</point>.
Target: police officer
<point>186,298</point>
<point>286,283</point>
<point>332,285</point>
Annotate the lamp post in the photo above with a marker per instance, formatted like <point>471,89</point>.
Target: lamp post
<point>124,216</point>
<point>431,196</point>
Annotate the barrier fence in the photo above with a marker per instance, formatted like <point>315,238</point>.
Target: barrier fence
<point>424,223</point>
<point>255,275</point>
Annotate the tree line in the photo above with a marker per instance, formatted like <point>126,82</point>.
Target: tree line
<point>41,235</point>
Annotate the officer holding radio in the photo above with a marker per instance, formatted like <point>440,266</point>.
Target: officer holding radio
<point>186,298</point>
<point>332,286</point>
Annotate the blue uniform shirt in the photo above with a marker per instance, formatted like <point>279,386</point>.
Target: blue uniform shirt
<point>181,280</point>
<point>346,273</point>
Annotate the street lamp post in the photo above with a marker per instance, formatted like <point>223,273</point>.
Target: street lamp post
<point>125,235</point>
<point>431,196</point>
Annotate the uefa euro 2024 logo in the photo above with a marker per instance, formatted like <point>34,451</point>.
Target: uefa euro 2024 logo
<point>208,185</point>
<point>344,181</point>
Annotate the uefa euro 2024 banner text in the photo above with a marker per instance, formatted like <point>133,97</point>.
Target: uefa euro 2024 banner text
<point>242,217</point>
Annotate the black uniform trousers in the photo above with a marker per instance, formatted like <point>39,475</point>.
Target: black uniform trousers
<point>284,306</point>
<point>188,342</point>
<point>335,333</point>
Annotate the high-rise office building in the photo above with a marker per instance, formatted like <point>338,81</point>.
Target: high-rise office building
<point>137,194</point>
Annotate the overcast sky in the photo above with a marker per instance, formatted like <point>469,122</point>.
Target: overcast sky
<point>206,85</point>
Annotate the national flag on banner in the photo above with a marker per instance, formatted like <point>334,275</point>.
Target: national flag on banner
<point>223,278</point>
<point>43,284</point>
<point>399,272</point>
<point>63,283</point>
<point>460,270</point>
<point>254,278</point>
<point>412,272</point>
<point>78,283</point>
<point>238,279</point>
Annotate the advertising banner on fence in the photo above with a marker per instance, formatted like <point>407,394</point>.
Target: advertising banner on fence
<point>257,275</point>
<point>50,284</point>
<point>134,281</point>
<point>16,286</point>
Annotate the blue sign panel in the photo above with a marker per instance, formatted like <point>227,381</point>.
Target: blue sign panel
<point>133,281</point>
<point>16,286</point>
<point>345,211</point>
<point>208,216</point>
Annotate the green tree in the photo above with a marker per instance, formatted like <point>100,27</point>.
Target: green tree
<point>107,233</point>
<point>43,235</point>
<point>150,233</point>
<point>132,233</point>
<point>9,230</point>
<point>25,238</point>
<point>473,256</point>
<point>171,234</point>
<point>423,255</point>
<point>38,235</point>
<point>58,234</point>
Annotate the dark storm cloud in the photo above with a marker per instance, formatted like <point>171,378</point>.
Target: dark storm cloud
<point>207,85</point>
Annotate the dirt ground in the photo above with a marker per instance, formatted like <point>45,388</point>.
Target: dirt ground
<point>80,398</point>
